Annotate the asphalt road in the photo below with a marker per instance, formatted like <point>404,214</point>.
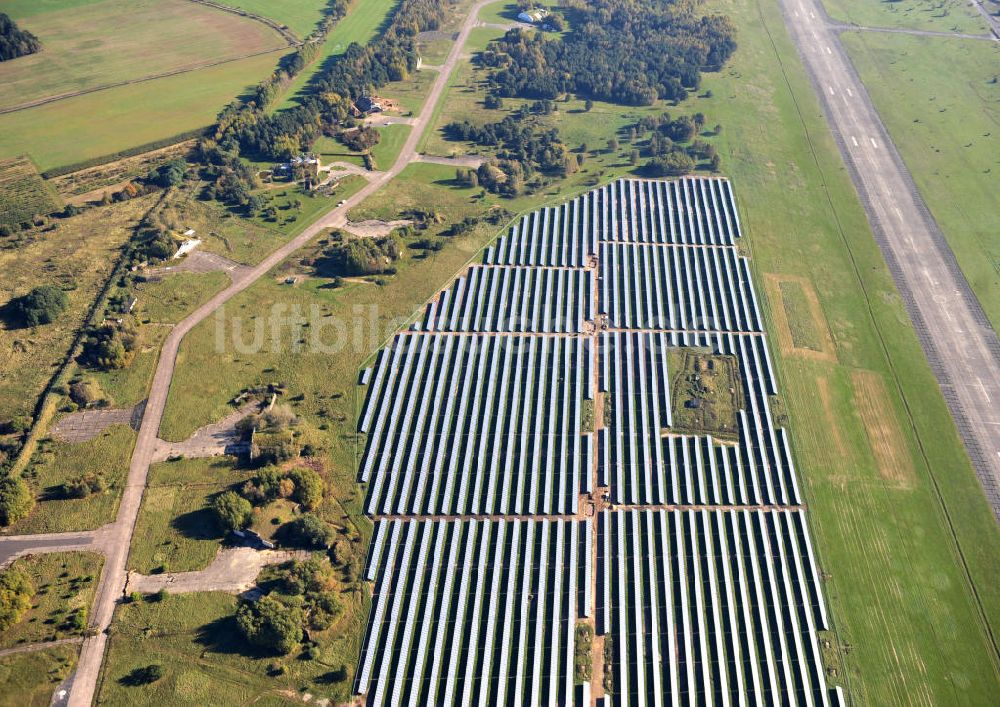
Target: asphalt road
<point>113,579</point>
<point>958,340</point>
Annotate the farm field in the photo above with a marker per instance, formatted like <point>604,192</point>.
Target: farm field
<point>65,132</point>
<point>81,54</point>
<point>301,16</point>
<point>361,25</point>
<point>947,129</point>
<point>934,15</point>
<point>78,256</point>
<point>29,679</point>
<point>65,583</point>
<point>23,193</point>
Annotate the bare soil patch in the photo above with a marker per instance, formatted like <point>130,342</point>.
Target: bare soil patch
<point>888,445</point>
<point>373,228</point>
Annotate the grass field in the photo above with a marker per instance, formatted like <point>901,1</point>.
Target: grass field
<point>23,193</point>
<point>176,530</point>
<point>300,16</point>
<point>64,585</point>
<point>935,15</point>
<point>175,296</point>
<point>29,679</point>
<point>947,128</point>
<point>77,256</point>
<point>55,462</point>
<point>104,43</point>
<point>67,131</point>
<point>205,661</point>
<point>391,142</point>
<point>899,595</point>
<point>361,24</point>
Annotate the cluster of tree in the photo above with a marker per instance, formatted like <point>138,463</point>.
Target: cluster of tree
<point>292,65</point>
<point>358,71</point>
<point>16,591</point>
<point>624,51</point>
<point>15,42</point>
<point>360,139</point>
<point>360,256</point>
<point>232,180</point>
<point>42,305</point>
<point>274,435</point>
<point>168,175</point>
<point>494,217</point>
<point>306,531</point>
<point>110,346</point>
<point>524,146</point>
<point>671,147</point>
<point>303,596</point>
<point>16,499</point>
<point>300,484</point>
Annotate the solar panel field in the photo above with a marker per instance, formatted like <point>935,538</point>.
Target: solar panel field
<point>526,476</point>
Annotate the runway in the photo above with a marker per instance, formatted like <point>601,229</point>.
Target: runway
<point>956,336</point>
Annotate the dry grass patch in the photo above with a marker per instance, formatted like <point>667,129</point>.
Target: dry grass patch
<point>879,417</point>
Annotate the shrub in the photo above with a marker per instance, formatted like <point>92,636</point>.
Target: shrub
<point>40,306</point>
<point>16,590</point>
<point>82,486</point>
<point>16,500</point>
<point>143,676</point>
<point>271,625</point>
<point>232,511</point>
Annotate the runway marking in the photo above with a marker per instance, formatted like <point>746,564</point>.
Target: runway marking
<point>828,50</point>
<point>850,92</point>
<point>832,92</point>
<point>874,144</point>
<point>812,15</point>
<point>854,140</point>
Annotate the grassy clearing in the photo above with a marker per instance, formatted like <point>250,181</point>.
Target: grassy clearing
<point>799,317</point>
<point>175,296</point>
<point>296,209</point>
<point>77,256</point>
<point>29,679</point>
<point>205,660</point>
<point>435,51</point>
<point>362,23</point>
<point>54,462</point>
<point>94,45</point>
<point>300,16</point>
<point>947,128</point>
<point>705,393</point>
<point>176,530</point>
<point>936,15</point>
<point>896,587</point>
<point>411,93</point>
<point>23,193</point>
<point>105,122</point>
<point>390,144</point>
<point>65,583</point>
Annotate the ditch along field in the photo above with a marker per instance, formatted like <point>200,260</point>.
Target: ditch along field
<point>89,46</point>
<point>300,16</point>
<point>947,129</point>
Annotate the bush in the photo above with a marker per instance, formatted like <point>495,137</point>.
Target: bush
<point>143,676</point>
<point>270,625</point>
<point>16,591</point>
<point>307,531</point>
<point>16,500</point>
<point>82,486</point>
<point>110,346</point>
<point>40,306</point>
<point>232,511</point>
